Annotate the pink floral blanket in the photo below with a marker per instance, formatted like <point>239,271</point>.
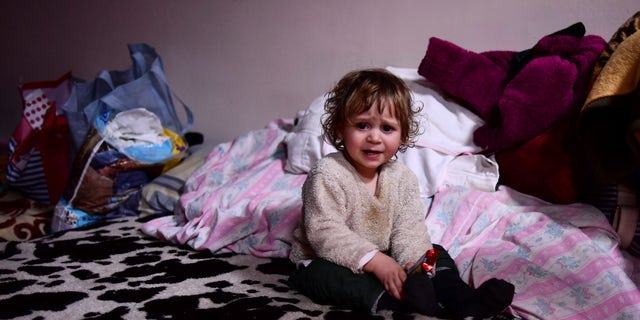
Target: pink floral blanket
<point>241,200</point>
<point>563,259</point>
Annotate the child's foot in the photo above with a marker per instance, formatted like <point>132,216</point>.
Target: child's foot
<point>491,298</point>
<point>420,294</point>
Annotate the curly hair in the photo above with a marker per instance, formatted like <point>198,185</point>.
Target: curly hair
<point>357,92</point>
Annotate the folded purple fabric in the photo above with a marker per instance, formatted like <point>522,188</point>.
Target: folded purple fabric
<point>517,101</point>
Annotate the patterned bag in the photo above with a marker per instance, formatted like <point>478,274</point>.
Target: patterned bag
<point>39,160</point>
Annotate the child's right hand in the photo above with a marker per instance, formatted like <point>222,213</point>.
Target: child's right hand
<point>389,272</point>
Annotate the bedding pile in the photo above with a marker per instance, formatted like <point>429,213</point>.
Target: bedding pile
<point>563,259</point>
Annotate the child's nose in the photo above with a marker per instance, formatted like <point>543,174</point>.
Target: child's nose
<point>374,135</point>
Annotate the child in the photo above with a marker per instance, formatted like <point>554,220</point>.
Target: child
<point>363,222</point>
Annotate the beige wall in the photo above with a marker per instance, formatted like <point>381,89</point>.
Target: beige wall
<point>241,63</point>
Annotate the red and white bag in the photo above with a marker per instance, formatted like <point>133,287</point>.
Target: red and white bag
<point>39,159</point>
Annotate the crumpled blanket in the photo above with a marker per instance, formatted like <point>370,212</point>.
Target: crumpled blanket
<point>564,260</point>
<point>610,117</point>
<point>517,94</point>
<point>240,200</point>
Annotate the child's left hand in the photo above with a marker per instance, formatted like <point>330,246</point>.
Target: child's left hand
<point>389,272</point>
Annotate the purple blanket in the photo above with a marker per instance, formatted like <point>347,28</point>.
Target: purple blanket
<point>517,94</point>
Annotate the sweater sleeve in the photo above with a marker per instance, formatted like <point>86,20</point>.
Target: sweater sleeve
<point>325,220</point>
<point>410,238</point>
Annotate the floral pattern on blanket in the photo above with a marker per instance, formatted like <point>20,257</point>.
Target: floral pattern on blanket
<point>241,200</point>
<point>563,259</point>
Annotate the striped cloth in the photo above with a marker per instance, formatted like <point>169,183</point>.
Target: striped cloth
<point>28,175</point>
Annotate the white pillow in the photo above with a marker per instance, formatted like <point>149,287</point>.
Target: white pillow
<point>305,143</point>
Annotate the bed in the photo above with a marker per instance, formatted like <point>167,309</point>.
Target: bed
<point>215,244</point>
<point>563,259</point>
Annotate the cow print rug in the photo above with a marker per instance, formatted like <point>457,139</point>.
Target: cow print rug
<point>111,270</point>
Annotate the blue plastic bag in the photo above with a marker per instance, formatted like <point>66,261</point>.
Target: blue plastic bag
<point>101,190</point>
<point>144,85</point>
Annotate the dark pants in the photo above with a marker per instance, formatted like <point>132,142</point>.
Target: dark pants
<point>328,283</point>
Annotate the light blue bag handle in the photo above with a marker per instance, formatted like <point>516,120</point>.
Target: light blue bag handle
<point>187,126</point>
<point>146,60</point>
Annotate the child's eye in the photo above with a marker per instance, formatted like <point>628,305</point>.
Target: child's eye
<point>388,128</point>
<point>361,125</point>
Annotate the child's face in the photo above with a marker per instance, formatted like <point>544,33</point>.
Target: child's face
<point>371,139</point>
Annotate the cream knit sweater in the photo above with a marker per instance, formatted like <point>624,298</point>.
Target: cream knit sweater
<point>343,221</point>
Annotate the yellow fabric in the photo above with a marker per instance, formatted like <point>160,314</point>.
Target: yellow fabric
<point>621,74</point>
